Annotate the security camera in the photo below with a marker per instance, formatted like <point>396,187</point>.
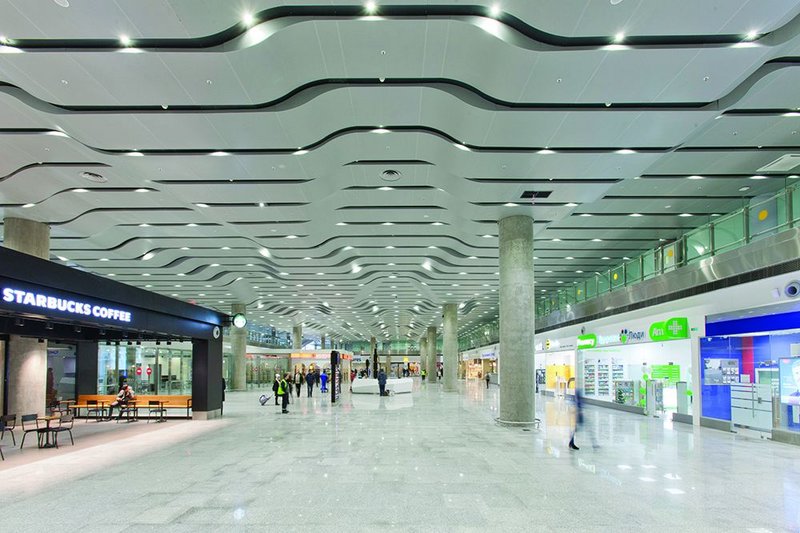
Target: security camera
<point>792,290</point>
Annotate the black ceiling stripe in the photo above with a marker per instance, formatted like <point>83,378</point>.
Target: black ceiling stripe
<point>298,14</point>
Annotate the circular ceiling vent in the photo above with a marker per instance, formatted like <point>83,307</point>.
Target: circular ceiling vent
<point>91,176</point>
<point>390,175</point>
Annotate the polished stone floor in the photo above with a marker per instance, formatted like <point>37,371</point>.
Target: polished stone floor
<point>429,461</point>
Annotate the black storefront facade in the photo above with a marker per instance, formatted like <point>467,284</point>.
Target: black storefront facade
<point>49,302</point>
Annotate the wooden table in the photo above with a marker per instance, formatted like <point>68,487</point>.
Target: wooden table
<point>48,419</point>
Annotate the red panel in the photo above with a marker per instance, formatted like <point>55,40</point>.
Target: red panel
<point>748,366</point>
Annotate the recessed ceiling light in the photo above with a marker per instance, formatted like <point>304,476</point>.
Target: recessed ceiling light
<point>291,236</point>
<point>511,204</point>
<point>571,204</point>
<point>597,240</point>
<point>387,224</point>
<point>381,131</point>
<point>758,177</point>
<point>370,7</point>
<point>300,152</point>
<point>62,258</point>
<point>487,236</point>
<point>685,215</point>
<point>201,205</point>
<point>26,206</point>
<point>248,19</point>
<point>546,151</point>
<point>556,240</point>
<point>744,188</point>
<point>751,35</point>
<point>124,40</point>
<point>141,190</point>
<point>104,259</point>
<point>619,37</point>
<point>569,257</point>
<point>605,258</point>
<point>586,214</point>
<point>625,151</point>
<point>695,178</point>
<point>462,147</point>
<point>626,258</point>
<point>191,225</point>
<point>148,256</point>
<point>635,215</point>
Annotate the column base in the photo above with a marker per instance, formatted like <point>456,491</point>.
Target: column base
<point>206,415</point>
<point>513,424</point>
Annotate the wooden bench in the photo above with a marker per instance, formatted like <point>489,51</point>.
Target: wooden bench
<point>142,401</point>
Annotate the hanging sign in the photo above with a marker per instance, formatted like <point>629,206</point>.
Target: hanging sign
<point>674,328</point>
<point>48,302</point>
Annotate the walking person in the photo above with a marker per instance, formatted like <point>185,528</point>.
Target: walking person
<point>487,380</point>
<point>298,381</point>
<point>275,385</point>
<point>284,392</point>
<point>424,373</point>
<point>310,382</point>
<point>578,422</point>
<point>222,405</point>
<point>323,378</point>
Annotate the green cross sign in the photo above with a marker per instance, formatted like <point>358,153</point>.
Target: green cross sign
<point>671,329</point>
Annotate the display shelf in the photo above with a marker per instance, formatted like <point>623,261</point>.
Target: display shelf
<point>589,379</point>
<point>603,379</point>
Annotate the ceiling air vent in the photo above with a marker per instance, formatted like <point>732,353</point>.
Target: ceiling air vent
<point>536,194</point>
<point>390,175</point>
<point>91,176</point>
<point>784,163</point>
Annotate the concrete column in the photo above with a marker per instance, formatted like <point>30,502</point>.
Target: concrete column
<point>27,236</point>
<point>450,347</point>
<point>2,374</point>
<point>423,354</point>
<point>516,321</point>
<point>297,337</point>
<point>239,352</point>
<point>432,354</point>
<point>26,366</point>
<point>322,342</point>
<point>388,362</point>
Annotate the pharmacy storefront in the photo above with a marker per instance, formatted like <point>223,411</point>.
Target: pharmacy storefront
<point>641,366</point>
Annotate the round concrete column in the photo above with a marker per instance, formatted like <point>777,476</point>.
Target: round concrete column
<point>432,354</point>
<point>27,358</point>
<point>297,337</point>
<point>516,321</point>
<point>450,347</point>
<point>373,345</point>
<point>239,351</point>
<point>322,342</point>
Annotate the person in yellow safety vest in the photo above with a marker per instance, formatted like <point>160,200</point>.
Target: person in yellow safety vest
<point>424,373</point>
<point>283,392</point>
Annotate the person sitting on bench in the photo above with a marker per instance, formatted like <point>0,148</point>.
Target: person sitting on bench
<point>124,396</point>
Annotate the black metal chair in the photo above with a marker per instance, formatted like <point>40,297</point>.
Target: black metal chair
<point>155,407</point>
<point>9,425</point>
<point>32,426</point>
<point>64,424</point>
<point>130,411</point>
<point>93,407</point>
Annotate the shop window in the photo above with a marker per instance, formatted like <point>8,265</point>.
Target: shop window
<point>147,367</point>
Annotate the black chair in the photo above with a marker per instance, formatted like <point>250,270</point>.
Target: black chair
<point>93,407</point>
<point>9,424</point>
<point>32,426</point>
<point>2,429</point>
<point>130,411</point>
<point>64,424</point>
<point>155,407</point>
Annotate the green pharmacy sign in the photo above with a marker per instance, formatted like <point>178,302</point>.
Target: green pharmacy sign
<point>587,341</point>
<point>671,329</point>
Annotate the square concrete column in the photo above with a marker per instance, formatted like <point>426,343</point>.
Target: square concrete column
<point>322,342</point>
<point>239,352</point>
<point>516,321</point>
<point>423,354</point>
<point>297,337</point>
<point>432,355</point>
<point>450,347</point>
<point>26,365</point>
